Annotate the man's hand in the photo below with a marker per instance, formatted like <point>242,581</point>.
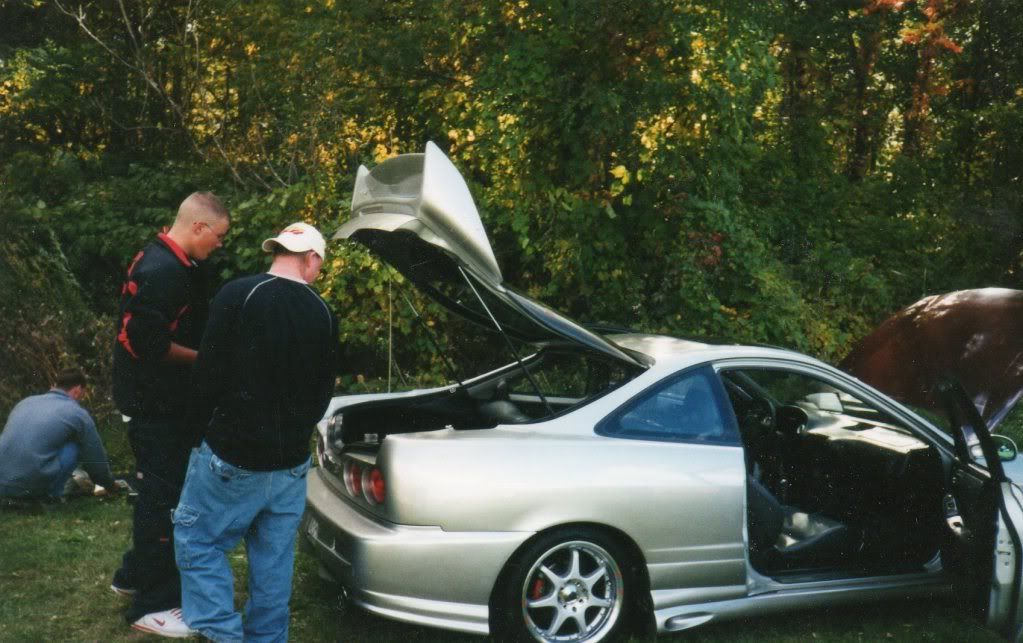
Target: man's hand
<point>178,354</point>
<point>116,488</point>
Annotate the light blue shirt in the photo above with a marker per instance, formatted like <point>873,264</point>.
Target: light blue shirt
<point>37,429</point>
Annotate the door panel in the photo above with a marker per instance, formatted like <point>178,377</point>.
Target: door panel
<point>970,508</point>
<point>983,514</point>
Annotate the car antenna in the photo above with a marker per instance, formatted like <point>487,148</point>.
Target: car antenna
<point>511,346</point>
<point>433,340</point>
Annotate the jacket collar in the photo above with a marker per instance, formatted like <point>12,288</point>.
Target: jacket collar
<point>176,249</point>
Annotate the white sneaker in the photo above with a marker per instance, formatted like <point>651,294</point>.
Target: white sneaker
<point>123,592</point>
<point>167,623</point>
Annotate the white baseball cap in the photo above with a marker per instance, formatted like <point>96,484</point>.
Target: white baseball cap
<point>299,237</point>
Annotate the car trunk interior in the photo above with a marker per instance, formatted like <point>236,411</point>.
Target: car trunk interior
<point>558,380</point>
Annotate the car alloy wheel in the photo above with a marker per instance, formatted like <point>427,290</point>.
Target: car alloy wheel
<point>570,587</point>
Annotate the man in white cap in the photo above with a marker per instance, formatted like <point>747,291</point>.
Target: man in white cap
<point>265,375</point>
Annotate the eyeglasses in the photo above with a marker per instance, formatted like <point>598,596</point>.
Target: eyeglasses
<point>220,237</point>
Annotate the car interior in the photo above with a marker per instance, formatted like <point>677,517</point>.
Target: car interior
<point>833,483</point>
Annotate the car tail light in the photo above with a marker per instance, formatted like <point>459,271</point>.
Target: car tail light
<point>319,450</point>
<point>353,478</point>
<point>373,487</point>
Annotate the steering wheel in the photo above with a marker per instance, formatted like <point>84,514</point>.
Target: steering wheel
<point>791,420</point>
<point>759,415</point>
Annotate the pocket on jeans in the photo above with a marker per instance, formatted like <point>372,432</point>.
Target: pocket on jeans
<point>301,470</point>
<point>226,471</point>
<point>184,516</point>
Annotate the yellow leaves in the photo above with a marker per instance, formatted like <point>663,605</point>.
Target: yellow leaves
<point>622,178</point>
<point>251,49</point>
<point>653,134</point>
<point>381,153</point>
<point>325,155</point>
<point>504,121</point>
<point>467,135</point>
<point>513,11</point>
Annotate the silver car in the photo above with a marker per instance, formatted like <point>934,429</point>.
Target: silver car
<point>605,481</point>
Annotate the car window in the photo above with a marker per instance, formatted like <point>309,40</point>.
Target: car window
<point>1012,424</point>
<point>798,389</point>
<point>686,408</point>
<point>561,375</point>
<point>571,375</point>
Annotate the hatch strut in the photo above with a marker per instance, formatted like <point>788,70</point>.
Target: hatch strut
<point>433,340</point>
<point>507,340</point>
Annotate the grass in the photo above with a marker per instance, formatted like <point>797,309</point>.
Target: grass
<point>55,568</point>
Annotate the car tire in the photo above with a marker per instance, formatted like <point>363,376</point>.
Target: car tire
<point>571,585</point>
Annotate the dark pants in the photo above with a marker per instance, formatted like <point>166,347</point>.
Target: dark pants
<point>161,459</point>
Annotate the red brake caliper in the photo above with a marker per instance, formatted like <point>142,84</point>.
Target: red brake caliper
<point>537,588</point>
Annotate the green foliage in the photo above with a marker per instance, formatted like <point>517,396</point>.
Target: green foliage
<point>779,172</point>
<point>46,323</point>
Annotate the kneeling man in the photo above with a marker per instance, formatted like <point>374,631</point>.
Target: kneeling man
<point>46,437</point>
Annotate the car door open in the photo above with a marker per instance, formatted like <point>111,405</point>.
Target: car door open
<point>984,514</point>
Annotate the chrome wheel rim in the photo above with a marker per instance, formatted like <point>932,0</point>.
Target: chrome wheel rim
<point>572,593</point>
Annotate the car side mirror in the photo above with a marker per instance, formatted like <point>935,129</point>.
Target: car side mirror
<point>826,401</point>
<point>1006,447</point>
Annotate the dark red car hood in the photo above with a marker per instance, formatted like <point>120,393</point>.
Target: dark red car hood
<point>975,336</point>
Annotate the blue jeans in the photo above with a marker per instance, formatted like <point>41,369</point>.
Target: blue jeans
<point>220,505</point>
<point>68,459</point>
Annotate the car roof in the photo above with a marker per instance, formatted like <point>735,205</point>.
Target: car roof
<point>675,352</point>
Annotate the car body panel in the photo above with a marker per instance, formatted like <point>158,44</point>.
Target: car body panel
<point>416,213</point>
<point>1005,607</point>
<point>775,598</point>
<point>672,480</point>
<point>423,194</point>
<point>412,573</point>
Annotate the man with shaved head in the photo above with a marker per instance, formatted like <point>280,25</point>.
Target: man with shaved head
<point>160,324</point>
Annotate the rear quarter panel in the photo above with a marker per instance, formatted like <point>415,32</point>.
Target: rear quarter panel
<point>682,504</point>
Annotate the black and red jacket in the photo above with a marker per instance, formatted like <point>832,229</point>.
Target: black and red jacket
<point>162,301</point>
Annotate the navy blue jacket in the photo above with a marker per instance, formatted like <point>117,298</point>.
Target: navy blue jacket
<point>265,372</point>
<point>162,301</point>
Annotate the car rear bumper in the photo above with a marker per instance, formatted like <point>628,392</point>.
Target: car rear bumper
<point>421,575</point>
